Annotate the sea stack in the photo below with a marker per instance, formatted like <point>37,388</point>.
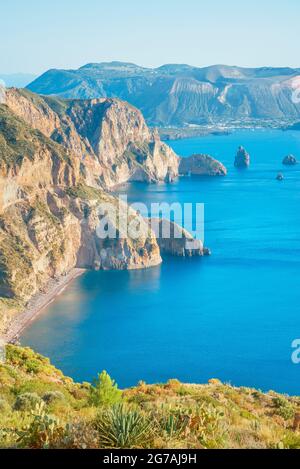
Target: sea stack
<point>280,177</point>
<point>201,165</point>
<point>242,159</point>
<point>289,160</point>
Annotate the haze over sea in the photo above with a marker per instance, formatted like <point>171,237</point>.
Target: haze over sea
<point>231,316</point>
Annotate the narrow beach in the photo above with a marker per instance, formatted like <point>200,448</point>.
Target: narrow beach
<point>38,303</point>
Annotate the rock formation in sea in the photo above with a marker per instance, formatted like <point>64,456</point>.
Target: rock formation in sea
<point>175,240</point>
<point>201,165</point>
<point>280,177</point>
<point>289,160</point>
<point>242,159</point>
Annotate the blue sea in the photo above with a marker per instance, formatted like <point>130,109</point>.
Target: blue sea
<point>231,316</point>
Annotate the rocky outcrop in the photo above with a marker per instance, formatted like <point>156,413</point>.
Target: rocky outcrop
<point>242,159</point>
<point>30,162</point>
<point>175,240</point>
<point>46,236</point>
<point>289,160</point>
<point>115,237</point>
<point>280,177</point>
<point>108,137</point>
<point>201,165</point>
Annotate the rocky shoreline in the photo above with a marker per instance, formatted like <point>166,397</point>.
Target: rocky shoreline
<point>38,303</point>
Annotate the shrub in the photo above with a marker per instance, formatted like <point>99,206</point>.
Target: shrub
<point>283,408</point>
<point>27,401</point>
<point>206,423</point>
<point>119,427</point>
<point>214,381</point>
<point>80,435</point>
<point>173,384</point>
<point>173,425</point>
<point>44,431</point>
<point>4,406</point>
<point>105,391</point>
<point>52,396</point>
<point>291,441</point>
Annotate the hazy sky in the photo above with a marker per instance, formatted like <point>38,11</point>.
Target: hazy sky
<point>38,35</point>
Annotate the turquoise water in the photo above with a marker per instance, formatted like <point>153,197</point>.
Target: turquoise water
<point>231,316</point>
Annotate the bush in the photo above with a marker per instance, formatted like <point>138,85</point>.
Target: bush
<point>80,435</point>
<point>291,441</point>
<point>27,401</point>
<point>52,396</point>
<point>206,424</point>
<point>105,391</point>
<point>283,408</point>
<point>4,406</point>
<point>173,384</point>
<point>119,427</point>
<point>44,431</point>
<point>173,425</point>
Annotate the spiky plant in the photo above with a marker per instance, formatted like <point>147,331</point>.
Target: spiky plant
<point>122,427</point>
<point>173,425</point>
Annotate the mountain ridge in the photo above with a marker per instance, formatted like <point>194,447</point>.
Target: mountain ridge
<point>182,95</point>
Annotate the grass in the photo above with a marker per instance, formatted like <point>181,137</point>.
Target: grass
<point>42,408</point>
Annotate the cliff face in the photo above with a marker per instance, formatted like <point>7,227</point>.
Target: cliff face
<point>175,240</point>
<point>242,159</point>
<point>56,161</point>
<point>201,165</point>
<point>109,137</point>
<point>56,230</point>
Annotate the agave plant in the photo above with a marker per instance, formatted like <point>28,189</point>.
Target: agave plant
<point>122,427</point>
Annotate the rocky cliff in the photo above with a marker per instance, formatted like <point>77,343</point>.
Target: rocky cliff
<point>57,160</point>
<point>109,137</point>
<point>289,160</point>
<point>201,165</point>
<point>242,158</point>
<point>175,240</point>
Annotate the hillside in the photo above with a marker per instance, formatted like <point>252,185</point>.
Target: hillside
<point>180,95</point>
<point>108,137</point>
<point>42,408</point>
<point>58,161</point>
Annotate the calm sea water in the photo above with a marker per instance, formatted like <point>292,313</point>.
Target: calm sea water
<point>232,316</point>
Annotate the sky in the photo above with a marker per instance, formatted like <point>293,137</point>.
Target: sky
<point>38,35</point>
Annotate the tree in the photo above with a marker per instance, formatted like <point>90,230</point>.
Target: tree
<point>104,391</point>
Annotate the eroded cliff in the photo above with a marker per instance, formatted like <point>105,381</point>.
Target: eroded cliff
<point>109,137</point>
<point>56,162</point>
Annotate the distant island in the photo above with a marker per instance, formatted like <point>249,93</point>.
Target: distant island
<point>183,96</point>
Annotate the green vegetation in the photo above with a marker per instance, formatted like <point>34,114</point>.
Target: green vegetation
<point>27,401</point>
<point>283,408</point>
<point>122,427</point>
<point>84,192</point>
<point>19,141</point>
<point>42,408</point>
<point>104,391</point>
